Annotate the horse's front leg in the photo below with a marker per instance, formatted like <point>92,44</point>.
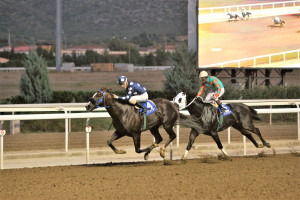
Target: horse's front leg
<point>137,144</point>
<point>192,137</point>
<point>116,135</point>
<point>216,138</point>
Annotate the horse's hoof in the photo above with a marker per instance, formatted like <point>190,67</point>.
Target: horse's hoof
<point>268,145</point>
<point>162,152</point>
<point>146,156</point>
<point>154,145</point>
<point>120,152</point>
<point>183,158</point>
<point>260,146</point>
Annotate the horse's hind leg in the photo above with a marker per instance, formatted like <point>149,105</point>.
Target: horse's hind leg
<point>250,137</point>
<point>116,135</point>
<point>172,136</point>
<point>137,145</point>
<point>257,132</point>
<point>154,131</point>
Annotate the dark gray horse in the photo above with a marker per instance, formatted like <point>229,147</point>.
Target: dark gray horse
<point>240,119</point>
<point>233,16</point>
<point>246,13</point>
<point>128,122</point>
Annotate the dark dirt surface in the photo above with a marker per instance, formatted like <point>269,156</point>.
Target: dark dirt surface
<point>255,177</point>
<point>264,176</point>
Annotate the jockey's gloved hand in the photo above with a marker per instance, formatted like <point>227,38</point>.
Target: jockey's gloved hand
<point>115,96</point>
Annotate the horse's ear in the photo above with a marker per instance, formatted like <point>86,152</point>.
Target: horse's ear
<point>109,90</point>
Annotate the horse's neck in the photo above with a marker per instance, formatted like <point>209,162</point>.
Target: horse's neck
<point>116,110</point>
<point>195,107</point>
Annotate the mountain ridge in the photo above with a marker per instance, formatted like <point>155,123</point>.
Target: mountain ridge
<point>91,21</point>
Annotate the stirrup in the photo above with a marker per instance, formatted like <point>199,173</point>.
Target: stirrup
<point>143,112</point>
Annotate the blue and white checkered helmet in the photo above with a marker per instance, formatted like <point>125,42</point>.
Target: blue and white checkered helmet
<point>122,80</point>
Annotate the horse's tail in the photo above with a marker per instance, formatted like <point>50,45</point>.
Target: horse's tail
<point>189,121</point>
<point>254,113</point>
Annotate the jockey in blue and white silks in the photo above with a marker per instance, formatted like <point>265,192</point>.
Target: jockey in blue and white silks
<point>135,93</point>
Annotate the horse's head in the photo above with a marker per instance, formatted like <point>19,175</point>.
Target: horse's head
<point>101,98</point>
<point>180,99</point>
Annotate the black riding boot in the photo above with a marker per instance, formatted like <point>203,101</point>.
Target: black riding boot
<point>220,106</point>
<point>140,105</point>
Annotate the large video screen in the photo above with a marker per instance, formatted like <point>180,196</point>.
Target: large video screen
<point>248,34</point>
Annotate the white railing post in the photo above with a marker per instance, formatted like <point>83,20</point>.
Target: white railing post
<point>171,151</point>
<point>88,129</point>
<point>13,125</point>
<point>228,136</point>
<point>270,116</point>
<point>1,151</point>
<point>70,124</point>
<point>298,121</point>
<point>66,129</point>
<point>177,130</point>
<point>2,133</point>
<point>244,142</point>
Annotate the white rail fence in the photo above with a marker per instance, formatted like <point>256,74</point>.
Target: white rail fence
<point>265,60</point>
<point>68,108</point>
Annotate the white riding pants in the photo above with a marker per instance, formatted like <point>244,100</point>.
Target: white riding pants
<point>140,98</point>
<point>212,93</point>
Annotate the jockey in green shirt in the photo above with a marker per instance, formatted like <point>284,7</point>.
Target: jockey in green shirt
<point>217,88</point>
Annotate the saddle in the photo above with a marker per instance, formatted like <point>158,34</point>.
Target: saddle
<point>227,110</point>
<point>150,105</point>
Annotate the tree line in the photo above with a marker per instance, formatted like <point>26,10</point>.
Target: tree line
<point>133,56</point>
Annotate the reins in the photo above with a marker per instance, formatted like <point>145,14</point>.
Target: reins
<point>189,103</point>
<point>100,100</point>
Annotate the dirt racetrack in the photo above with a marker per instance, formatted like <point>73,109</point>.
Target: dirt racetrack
<point>269,177</point>
<point>263,176</point>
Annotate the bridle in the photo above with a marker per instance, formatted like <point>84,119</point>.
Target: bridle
<point>100,100</point>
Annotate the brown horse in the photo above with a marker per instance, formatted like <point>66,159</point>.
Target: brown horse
<point>128,121</point>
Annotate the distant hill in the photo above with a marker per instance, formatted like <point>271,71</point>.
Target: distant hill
<point>91,21</point>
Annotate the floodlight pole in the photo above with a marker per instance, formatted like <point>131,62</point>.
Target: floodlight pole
<point>58,34</point>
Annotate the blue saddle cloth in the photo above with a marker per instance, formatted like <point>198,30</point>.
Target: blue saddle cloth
<point>151,108</point>
<point>227,110</point>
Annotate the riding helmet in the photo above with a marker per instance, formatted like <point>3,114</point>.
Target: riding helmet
<point>203,74</point>
<point>122,80</point>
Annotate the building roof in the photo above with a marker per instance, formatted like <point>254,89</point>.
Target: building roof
<point>3,60</point>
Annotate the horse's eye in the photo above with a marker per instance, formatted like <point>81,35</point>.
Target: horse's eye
<point>180,100</point>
